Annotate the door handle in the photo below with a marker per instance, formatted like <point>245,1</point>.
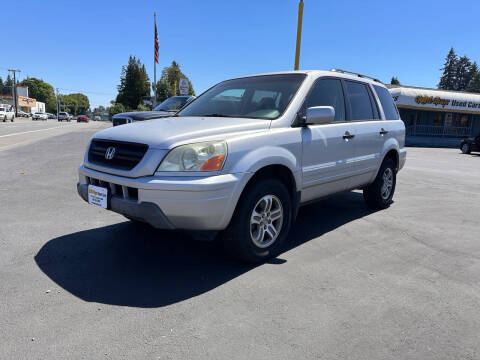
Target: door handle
<point>383,131</point>
<point>347,135</point>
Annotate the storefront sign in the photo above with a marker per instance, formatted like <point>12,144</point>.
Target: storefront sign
<point>24,101</point>
<point>432,99</point>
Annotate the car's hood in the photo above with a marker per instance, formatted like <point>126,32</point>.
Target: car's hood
<point>167,132</point>
<point>143,115</point>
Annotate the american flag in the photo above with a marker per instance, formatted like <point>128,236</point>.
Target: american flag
<point>156,44</point>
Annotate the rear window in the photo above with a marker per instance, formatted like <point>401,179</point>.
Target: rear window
<point>389,108</point>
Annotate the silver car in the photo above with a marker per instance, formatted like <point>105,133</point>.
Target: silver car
<point>246,154</point>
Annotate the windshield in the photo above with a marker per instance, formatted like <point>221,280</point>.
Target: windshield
<point>258,97</point>
<point>2,109</point>
<point>172,104</point>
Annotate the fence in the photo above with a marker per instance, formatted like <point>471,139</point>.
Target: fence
<point>443,131</point>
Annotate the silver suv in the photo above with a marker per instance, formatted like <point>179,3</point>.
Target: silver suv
<point>247,153</point>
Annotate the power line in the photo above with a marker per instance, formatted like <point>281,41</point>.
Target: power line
<point>87,92</point>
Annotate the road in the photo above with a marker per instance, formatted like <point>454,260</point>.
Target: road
<point>79,282</point>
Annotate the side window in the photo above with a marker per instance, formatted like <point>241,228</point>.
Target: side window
<point>328,92</point>
<point>360,105</point>
<point>386,100</point>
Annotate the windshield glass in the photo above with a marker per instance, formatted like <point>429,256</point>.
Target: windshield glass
<point>172,104</point>
<point>2,109</point>
<point>258,97</point>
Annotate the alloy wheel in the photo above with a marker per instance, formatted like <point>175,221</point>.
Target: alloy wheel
<point>266,221</point>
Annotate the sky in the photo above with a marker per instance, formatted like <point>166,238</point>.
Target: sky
<point>80,46</point>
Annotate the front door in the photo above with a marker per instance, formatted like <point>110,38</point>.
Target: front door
<point>327,149</point>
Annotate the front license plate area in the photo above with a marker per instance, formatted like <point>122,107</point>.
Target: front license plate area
<point>98,196</point>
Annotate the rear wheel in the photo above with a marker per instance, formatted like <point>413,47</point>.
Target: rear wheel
<point>465,148</point>
<point>260,223</point>
<point>379,194</point>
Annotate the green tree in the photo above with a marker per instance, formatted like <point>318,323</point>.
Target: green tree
<point>462,75</point>
<point>75,103</point>
<point>8,86</point>
<point>394,81</point>
<point>168,82</point>
<point>134,84</point>
<point>41,91</point>
<point>116,109</point>
<point>1,86</point>
<point>448,80</point>
<point>474,84</point>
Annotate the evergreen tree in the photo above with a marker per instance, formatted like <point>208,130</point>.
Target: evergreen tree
<point>474,84</point>
<point>134,84</point>
<point>462,75</point>
<point>471,73</point>
<point>168,82</point>
<point>1,86</point>
<point>448,79</point>
<point>394,81</point>
<point>8,86</point>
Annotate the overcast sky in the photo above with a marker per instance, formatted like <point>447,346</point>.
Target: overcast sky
<point>82,45</point>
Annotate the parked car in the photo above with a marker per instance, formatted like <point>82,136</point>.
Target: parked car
<point>40,116</point>
<point>167,108</point>
<point>63,116</point>
<point>6,114</point>
<point>470,144</point>
<point>82,118</point>
<point>97,118</point>
<point>51,116</point>
<point>247,153</point>
<point>23,114</point>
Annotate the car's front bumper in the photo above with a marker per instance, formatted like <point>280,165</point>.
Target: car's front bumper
<point>193,203</point>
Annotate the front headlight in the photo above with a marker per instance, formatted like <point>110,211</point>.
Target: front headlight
<point>205,156</point>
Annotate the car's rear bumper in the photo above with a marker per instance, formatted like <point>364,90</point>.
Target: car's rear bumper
<point>402,158</point>
<point>193,203</point>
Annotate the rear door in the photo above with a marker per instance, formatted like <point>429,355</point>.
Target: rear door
<point>367,124</point>
<point>328,148</point>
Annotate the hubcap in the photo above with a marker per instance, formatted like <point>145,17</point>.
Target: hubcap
<point>387,184</point>
<point>266,221</point>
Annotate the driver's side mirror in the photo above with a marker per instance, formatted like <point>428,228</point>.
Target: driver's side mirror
<point>318,115</point>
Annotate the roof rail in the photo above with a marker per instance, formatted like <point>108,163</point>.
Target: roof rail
<point>355,73</point>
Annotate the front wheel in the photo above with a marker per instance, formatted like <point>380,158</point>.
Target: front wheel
<point>379,194</point>
<point>260,223</point>
<point>465,149</point>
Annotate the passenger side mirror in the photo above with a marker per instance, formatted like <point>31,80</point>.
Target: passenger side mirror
<point>318,115</point>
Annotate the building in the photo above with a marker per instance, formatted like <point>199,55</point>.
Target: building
<point>38,107</point>
<point>24,103</point>
<point>437,117</point>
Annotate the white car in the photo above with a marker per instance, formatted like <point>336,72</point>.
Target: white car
<point>246,154</point>
<point>40,116</point>
<point>6,114</point>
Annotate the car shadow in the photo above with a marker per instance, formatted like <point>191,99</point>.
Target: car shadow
<point>129,265</point>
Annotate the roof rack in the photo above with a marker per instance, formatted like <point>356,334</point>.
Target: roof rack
<point>355,73</point>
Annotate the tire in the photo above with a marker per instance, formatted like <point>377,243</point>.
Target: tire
<point>377,195</point>
<point>465,149</point>
<point>244,238</point>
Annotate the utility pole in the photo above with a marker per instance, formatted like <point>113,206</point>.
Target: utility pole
<point>58,104</point>
<point>299,35</point>
<point>15,89</point>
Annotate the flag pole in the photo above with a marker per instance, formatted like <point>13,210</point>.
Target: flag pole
<point>154,61</point>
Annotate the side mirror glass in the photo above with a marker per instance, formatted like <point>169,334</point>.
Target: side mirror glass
<point>320,115</point>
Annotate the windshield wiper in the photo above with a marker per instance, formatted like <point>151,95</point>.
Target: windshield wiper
<point>217,115</point>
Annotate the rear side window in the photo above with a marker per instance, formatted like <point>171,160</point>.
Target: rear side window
<point>328,92</point>
<point>360,105</point>
<point>386,100</point>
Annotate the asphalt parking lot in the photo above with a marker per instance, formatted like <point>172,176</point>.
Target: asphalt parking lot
<point>80,282</point>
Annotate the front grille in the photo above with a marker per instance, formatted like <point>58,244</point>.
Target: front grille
<point>127,155</point>
<point>120,121</point>
<point>126,192</point>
